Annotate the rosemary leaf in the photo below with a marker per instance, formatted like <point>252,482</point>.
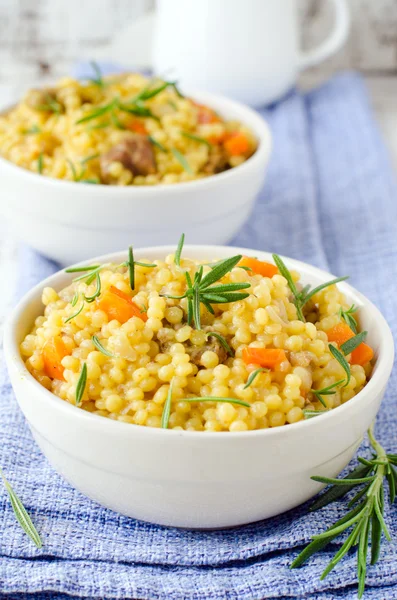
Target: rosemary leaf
<point>221,269</point>
<point>196,306</point>
<point>178,252</point>
<point>254,375</point>
<point>81,269</point>
<point>75,299</point>
<point>102,110</point>
<point>21,513</point>
<point>341,490</point>
<point>222,341</point>
<point>99,347</point>
<point>165,417</point>
<point>309,414</point>
<point>97,292</point>
<point>182,160</point>
<point>342,361</point>
<point>84,161</point>
<point>317,289</point>
<point>157,144</point>
<point>80,387</point>
<point>196,138</point>
<point>291,284</point>
<point>347,316</point>
<point>353,343</point>
<point>131,267</point>
<point>98,79</point>
<point>75,314</point>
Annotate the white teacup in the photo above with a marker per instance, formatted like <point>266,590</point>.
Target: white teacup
<point>245,49</point>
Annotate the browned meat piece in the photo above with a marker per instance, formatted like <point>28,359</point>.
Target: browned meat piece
<point>217,161</point>
<point>43,100</point>
<point>214,346</point>
<point>135,153</point>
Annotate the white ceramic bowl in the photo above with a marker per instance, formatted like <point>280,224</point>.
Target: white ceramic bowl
<point>196,479</point>
<point>70,221</point>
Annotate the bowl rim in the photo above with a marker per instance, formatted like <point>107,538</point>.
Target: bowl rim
<point>261,130</point>
<point>379,378</point>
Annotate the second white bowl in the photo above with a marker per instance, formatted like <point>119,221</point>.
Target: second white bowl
<point>196,479</point>
<point>70,221</point>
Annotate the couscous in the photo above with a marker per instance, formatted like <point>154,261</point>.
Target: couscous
<point>121,130</point>
<point>233,345</point>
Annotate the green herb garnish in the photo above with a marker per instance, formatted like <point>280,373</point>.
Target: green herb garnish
<point>178,252</point>
<point>21,513</point>
<point>82,269</point>
<point>84,161</point>
<point>202,290</point>
<point>182,160</point>
<point>98,346</point>
<point>366,514</point>
<point>327,391</point>
<point>347,316</point>
<point>302,297</point>
<point>254,375</point>
<point>165,417</point>
<point>131,263</point>
<point>291,284</point>
<point>353,343</point>
<point>341,360</point>
<point>80,387</point>
<point>157,144</point>
<point>196,138</point>
<point>77,312</point>
<point>98,79</point>
<point>98,112</point>
<point>222,341</point>
<point>40,163</point>
<point>93,180</point>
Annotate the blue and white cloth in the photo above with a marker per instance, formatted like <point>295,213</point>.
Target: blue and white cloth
<point>330,199</point>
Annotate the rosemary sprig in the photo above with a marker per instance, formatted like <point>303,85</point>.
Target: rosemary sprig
<point>196,138</point>
<point>21,513</point>
<point>81,383</point>
<point>40,163</point>
<point>347,316</point>
<point>353,343</point>
<point>254,375</point>
<point>182,160</point>
<point>98,346</point>
<point>222,341</point>
<point>327,391</point>
<point>202,291</point>
<point>307,295</point>
<point>98,112</point>
<point>178,252</point>
<point>365,518</point>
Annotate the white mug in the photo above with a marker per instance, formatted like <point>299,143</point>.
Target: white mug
<point>245,49</point>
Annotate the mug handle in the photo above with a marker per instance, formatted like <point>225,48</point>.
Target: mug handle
<point>334,41</point>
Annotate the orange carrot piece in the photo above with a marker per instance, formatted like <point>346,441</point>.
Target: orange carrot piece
<point>137,127</point>
<point>236,144</point>
<point>118,305</point>
<point>340,333</point>
<point>260,267</point>
<point>54,351</point>
<point>270,358</point>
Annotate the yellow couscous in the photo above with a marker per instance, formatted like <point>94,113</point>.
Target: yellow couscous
<point>234,345</point>
<point>121,130</point>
